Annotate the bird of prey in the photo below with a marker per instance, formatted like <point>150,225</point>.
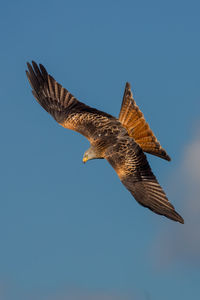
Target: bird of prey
<point>121,141</point>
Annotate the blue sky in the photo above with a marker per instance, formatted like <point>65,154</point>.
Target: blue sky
<point>72,231</point>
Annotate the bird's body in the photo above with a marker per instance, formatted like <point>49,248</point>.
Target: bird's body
<point>122,142</point>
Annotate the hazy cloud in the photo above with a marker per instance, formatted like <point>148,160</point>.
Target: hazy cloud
<point>83,295</point>
<point>10,291</point>
<point>183,241</point>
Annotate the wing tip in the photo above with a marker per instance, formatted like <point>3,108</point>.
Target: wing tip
<point>166,157</point>
<point>174,216</point>
<point>182,221</point>
<point>34,65</point>
<point>179,219</point>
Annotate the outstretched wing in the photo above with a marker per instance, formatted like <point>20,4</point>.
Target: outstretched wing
<point>132,167</point>
<point>133,120</point>
<point>62,105</point>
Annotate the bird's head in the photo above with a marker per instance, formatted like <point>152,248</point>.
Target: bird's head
<point>89,154</point>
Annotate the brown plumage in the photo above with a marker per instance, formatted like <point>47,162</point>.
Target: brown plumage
<point>133,120</point>
<point>120,141</point>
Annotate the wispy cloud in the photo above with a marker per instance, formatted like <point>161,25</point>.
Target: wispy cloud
<point>85,295</point>
<point>179,242</point>
<point>10,291</point>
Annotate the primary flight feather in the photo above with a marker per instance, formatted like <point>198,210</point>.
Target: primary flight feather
<point>121,141</point>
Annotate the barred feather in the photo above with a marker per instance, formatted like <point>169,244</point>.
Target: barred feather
<point>133,120</point>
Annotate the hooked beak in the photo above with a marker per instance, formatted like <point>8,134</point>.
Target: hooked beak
<point>84,159</point>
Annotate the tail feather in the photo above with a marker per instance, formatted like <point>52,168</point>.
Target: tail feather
<point>133,120</point>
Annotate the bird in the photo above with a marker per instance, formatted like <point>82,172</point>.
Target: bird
<point>121,141</point>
